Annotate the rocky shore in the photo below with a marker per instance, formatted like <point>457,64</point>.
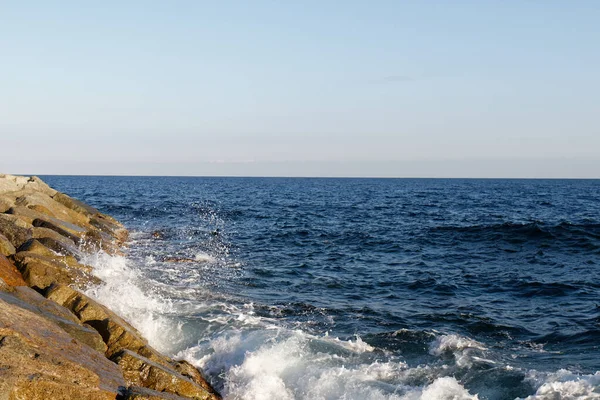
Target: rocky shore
<point>56,342</point>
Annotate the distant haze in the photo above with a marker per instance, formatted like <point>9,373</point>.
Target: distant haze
<point>311,88</point>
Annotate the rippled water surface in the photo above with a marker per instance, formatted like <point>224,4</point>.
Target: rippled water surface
<point>361,288</point>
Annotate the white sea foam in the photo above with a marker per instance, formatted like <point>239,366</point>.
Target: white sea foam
<point>203,257</point>
<point>564,384</point>
<point>283,364</point>
<point>465,350</point>
<point>122,292</point>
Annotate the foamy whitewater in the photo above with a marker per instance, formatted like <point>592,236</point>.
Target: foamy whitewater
<point>289,290</point>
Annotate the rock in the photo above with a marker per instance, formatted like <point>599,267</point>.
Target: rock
<point>31,300</point>
<point>34,247</point>
<point>14,229</point>
<point>12,183</point>
<point>75,204</point>
<point>9,273</point>
<point>140,371</point>
<point>63,246</point>
<point>74,232</point>
<point>38,360</point>
<point>56,210</point>
<point>117,333</point>
<point>178,260</point>
<point>188,370</point>
<point>5,204</point>
<point>26,214</point>
<point>8,183</point>
<point>141,393</point>
<point>96,240</point>
<point>41,271</point>
<point>6,247</point>
<point>55,241</point>
<point>108,225</point>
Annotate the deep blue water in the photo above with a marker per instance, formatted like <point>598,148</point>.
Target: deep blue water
<point>494,283</point>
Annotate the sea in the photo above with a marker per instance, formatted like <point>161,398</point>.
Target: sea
<point>326,288</point>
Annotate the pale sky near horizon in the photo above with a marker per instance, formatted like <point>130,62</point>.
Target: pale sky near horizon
<point>306,88</point>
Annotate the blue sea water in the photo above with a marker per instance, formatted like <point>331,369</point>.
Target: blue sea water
<point>361,288</point>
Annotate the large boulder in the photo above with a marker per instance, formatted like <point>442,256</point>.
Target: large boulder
<point>39,360</point>
<point>31,300</point>
<point>75,204</point>
<point>12,183</point>
<point>14,229</point>
<point>141,371</point>
<point>6,247</point>
<point>47,205</point>
<point>110,226</point>
<point>9,273</point>
<point>42,271</point>
<point>74,232</point>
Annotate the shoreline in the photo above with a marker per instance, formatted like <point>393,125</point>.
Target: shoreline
<point>56,342</point>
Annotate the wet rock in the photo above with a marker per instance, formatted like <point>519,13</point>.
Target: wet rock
<point>36,247</point>
<point>96,240</point>
<point>141,393</point>
<point>117,333</point>
<point>41,271</point>
<point>110,226</point>
<point>141,371</point>
<point>188,370</point>
<point>6,247</point>
<point>15,230</point>
<point>38,360</point>
<point>178,259</point>
<point>74,232</point>
<point>9,273</point>
<point>55,241</point>
<point>63,246</point>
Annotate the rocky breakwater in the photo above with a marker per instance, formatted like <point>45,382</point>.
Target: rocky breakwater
<point>56,342</point>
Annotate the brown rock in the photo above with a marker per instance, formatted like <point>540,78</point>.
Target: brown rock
<point>55,241</point>
<point>110,226</point>
<point>140,371</point>
<point>31,300</point>
<point>5,204</point>
<point>6,247</point>
<point>56,209</point>
<point>117,333</point>
<point>74,232</point>
<point>75,204</point>
<point>14,229</point>
<point>42,271</point>
<point>141,393</point>
<point>9,273</point>
<point>35,247</point>
<point>96,240</point>
<point>41,361</point>
<point>188,370</point>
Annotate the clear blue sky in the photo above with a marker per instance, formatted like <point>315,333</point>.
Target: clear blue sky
<point>319,88</point>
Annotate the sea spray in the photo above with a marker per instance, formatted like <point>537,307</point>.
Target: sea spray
<point>125,291</point>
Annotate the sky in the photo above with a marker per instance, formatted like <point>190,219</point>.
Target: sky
<point>301,88</point>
